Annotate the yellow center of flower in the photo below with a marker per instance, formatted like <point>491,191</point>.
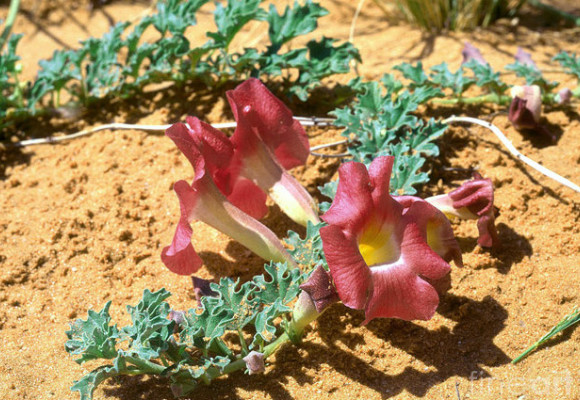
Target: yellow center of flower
<point>434,237</point>
<point>378,246</point>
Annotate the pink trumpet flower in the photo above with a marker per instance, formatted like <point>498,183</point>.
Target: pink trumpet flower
<point>472,200</point>
<point>267,142</point>
<point>209,152</point>
<point>386,257</point>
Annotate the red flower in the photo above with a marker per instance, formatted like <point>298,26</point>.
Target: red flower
<point>268,141</point>
<point>472,200</point>
<point>385,256</point>
<point>209,152</point>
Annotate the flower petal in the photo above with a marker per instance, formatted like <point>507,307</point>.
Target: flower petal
<point>249,198</point>
<point>435,227</point>
<point>564,95</point>
<point>180,257</point>
<point>533,103</point>
<point>476,195</point>
<point>353,203</point>
<point>203,145</point>
<point>399,293</point>
<point>488,236</point>
<point>418,256</point>
<point>349,271</point>
<point>258,112</point>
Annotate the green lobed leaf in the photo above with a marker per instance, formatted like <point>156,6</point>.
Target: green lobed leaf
<point>151,329</point>
<point>414,73</point>
<point>532,75</point>
<point>231,18</point>
<point>236,299</point>
<point>184,378</point>
<point>486,77</point>
<point>406,173</point>
<point>308,251</point>
<point>88,383</point>
<point>457,82</point>
<point>324,59</point>
<point>377,123</point>
<point>176,16</point>
<point>265,329</point>
<point>296,21</point>
<point>94,337</point>
<point>205,325</point>
<point>570,63</point>
<point>279,282</point>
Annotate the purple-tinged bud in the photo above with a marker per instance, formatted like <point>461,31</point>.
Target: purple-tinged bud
<point>178,317</point>
<point>320,289</point>
<point>564,96</point>
<point>525,58</point>
<point>526,108</point>
<point>201,287</point>
<point>470,52</point>
<point>255,362</point>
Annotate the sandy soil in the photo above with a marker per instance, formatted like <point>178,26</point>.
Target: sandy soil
<point>84,222</point>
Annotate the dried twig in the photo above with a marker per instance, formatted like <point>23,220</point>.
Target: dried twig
<point>514,151</point>
<point>305,121</point>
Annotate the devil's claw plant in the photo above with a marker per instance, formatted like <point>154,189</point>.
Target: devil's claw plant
<point>382,253</point>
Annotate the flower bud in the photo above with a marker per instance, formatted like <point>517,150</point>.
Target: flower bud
<point>178,317</point>
<point>303,314</point>
<point>320,289</point>
<point>526,108</point>
<point>563,96</point>
<point>525,58</point>
<point>470,52</point>
<point>255,362</point>
<point>201,288</point>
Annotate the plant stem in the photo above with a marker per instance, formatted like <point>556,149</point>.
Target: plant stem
<point>487,98</point>
<point>146,367</point>
<point>12,12</point>
<point>497,132</point>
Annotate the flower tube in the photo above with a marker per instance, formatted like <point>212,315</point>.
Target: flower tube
<point>472,200</point>
<point>267,142</point>
<point>385,257</point>
<point>209,152</point>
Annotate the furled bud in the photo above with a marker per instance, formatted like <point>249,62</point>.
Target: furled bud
<point>470,52</point>
<point>564,96</point>
<point>320,289</point>
<point>201,288</point>
<point>255,362</point>
<point>526,108</point>
<point>525,58</point>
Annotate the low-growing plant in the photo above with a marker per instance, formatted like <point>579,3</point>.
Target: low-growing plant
<point>385,254</point>
<point>121,63</point>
